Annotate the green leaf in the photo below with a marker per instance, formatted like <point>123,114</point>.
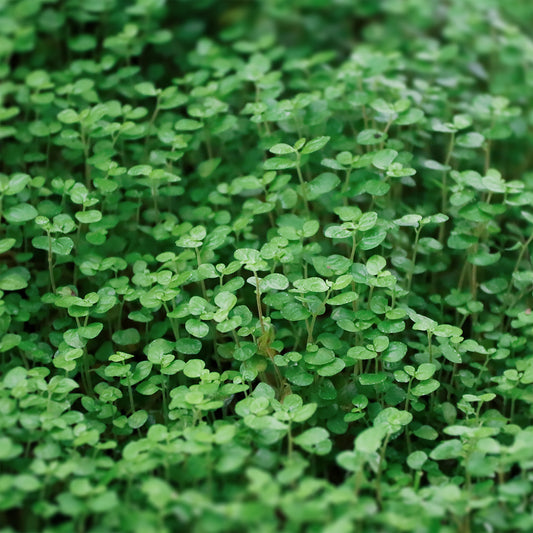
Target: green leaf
<point>294,312</point>
<point>17,183</point>
<point>245,351</point>
<point>450,449</point>
<point>196,328</point>
<point>6,244</point>
<point>360,353</point>
<point>343,298</point>
<point>314,440</point>
<point>9,341</point>
<point>279,163</point>
<point>383,158</point>
<point>315,144</point>
<point>425,371</point>
<point>88,217</point>
<point>137,419</point>
<point>411,116</point>
<point>59,245</point>
<point>298,376</point>
<point>20,213</point>
<point>373,379</point>
<point>426,432</point>
<point>275,281</point>
<point>393,419</point>
<point>367,221</point>
<point>91,331</point>
<point>225,300</point>
<point>371,136</point>
<point>337,232</point>
<point>206,168</point>
<point>322,184</point>
<point>14,377</point>
<point>14,279</point>
<point>142,371</point>
<point>447,330</point>
<point>422,323</point>
<point>332,369</point>
<point>425,387</point>
<point>68,116</point>
<point>8,449</point>
<point>348,213</point>
<point>370,439</point>
<point>194,368</point>
<point>250,258</point>
<point>372,239</point>
<point>450,353</point>
<point>470,140</point>
<point>140,170</point>
<point>416,459</point>
<point>146,88</point>
<point>188,346</point>
<point>282,149</point>
<point>157,349</point>
<point>375,264</point>
<point>484,258</point>
<point>409,220</point>
<point>333,164</point>
<point>322,356</point>
<point>126,336</point>
<point>187,124</point>
<point>303,413</point>
<point>312,284</point>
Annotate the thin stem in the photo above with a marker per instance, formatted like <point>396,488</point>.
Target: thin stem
<point>313,320</point>
<point>132,403</point>
<point>290,445</point>
<point>202,283</point>
<point>413,258</point>
<point>444,191</point>
<point>346,184</point>
<point>380,471</point>
<point>151,123</point>
<point>173,325</point>
<point>86,152</point>
<point>354,246</point>
<point>164,398</point>
<point>486,164</point>
<point>302,184</point>
<point>50,263</point>
<point>258,302</point>
<point>521,254</point>
<point>310,331</point>
<point>406,406</point>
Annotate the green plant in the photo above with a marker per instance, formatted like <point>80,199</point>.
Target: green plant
<point>265,266</point>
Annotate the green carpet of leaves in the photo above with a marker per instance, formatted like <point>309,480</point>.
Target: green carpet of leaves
<point>265,266</point>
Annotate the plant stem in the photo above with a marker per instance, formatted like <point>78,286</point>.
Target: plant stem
<point>413,258</point>
<point>380,471</point>
<point>202,283</point>
<point>354,247</point>
<point>50,263</point>
<point>290,444</point>
<point>444,190</point>
<point>302,184</point>
<point>258,302</point>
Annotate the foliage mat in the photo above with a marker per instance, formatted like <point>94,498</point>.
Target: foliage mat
<point>265,266</point>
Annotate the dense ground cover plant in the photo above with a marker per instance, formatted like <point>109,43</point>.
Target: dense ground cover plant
<point>265,266</point>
